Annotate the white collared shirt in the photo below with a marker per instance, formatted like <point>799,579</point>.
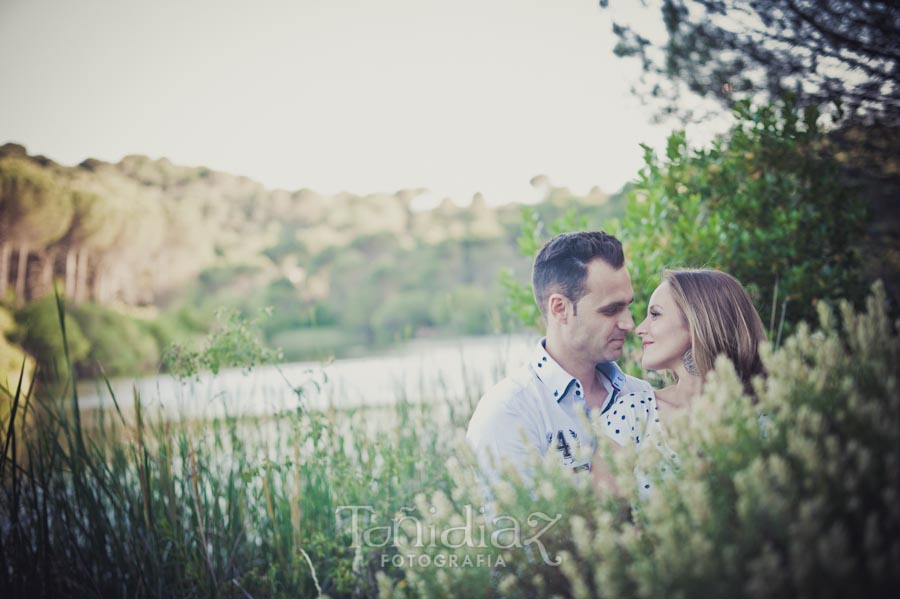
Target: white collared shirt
<point>537,409</point>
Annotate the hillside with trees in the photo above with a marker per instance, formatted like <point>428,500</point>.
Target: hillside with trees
<point>145,252</point>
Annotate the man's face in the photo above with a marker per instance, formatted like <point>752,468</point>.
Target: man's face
<point>597,325</point>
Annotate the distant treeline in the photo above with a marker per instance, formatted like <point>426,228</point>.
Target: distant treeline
<point>161,247</point>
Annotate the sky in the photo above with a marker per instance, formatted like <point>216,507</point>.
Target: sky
<point>455,96</point>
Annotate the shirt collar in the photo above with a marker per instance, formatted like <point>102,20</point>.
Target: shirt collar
<point>615,375</point>
<point>559,382</point>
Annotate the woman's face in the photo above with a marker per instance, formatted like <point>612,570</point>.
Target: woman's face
<point>664,333</point>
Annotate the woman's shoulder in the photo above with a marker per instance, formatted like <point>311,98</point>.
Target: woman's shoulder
<point>635,385</point>
<point>636,389</point>
<point>626,420</point>
<point>639,403</point>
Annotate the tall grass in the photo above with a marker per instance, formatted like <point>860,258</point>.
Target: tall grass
<point>127,503</point>
<point>791,493</point>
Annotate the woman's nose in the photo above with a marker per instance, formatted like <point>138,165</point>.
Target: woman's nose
<point>641,329</point>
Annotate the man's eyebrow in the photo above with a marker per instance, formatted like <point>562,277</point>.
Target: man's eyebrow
<point>615,305</point>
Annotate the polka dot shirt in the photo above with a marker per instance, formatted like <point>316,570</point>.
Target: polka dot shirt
<point>634,420</point>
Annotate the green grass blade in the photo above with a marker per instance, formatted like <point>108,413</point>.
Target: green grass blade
<point>111,393</point>
<point>11,430</point>
<point>76,414</point>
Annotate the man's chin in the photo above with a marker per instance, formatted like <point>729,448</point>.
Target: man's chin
<point>614,355</point>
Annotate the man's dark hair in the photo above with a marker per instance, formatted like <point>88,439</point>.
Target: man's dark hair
<point>561,265</point>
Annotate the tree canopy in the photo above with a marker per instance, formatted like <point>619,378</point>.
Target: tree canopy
<point>841,57</point>
<point>845,52</point>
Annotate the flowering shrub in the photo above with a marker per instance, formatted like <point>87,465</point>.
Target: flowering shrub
<point>793,493</point>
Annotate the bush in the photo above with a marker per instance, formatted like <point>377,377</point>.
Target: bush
<point>290,312</point>
<point>234,343</point>
<point>119,344</point>
<point>38,332</point>
<point>11,362</point>
<point>465,310</point>
<point>765,203</point>
<point>794,493</point>
<point>16,376</point>
<point>398,317</point>
<point>98,338</point>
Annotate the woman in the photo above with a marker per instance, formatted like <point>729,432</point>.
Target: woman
<point>692,317</point>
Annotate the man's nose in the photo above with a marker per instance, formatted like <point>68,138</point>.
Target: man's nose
<point>627,323</point>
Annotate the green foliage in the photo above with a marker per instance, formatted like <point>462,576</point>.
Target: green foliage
<point>11,359</point>
<point>119,344</point>
<point>289,312</point>
<point>38,332</point>
<point>235,343</point>
<point>221,279</point>
<point>381,294</point>
<point>399,316</point>
<point>764,203</point>
<point>217,508</point>
<point>288,245</point>
<point>313,343</point>
<point>728,49</point>
<point>101,340</point>
<point>465,310</point>
<point>95,222</point>
<point>109,230</point>
<point>34,208</point>
<point>792,493</point>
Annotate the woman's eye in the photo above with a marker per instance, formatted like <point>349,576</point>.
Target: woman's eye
<point>653,314</point>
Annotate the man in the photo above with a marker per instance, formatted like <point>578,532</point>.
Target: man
<point>583,290</point>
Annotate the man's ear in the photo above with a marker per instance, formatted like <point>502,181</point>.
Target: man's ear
<point>558,308</point>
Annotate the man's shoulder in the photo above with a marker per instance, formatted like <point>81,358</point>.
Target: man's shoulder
<point>511,405</point>
<point>513,399</point>
<point>518,384</point>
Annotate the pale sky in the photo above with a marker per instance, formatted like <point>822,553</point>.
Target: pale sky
<point>457,96</point>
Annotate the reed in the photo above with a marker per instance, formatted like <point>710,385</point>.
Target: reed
<point>108,504</point>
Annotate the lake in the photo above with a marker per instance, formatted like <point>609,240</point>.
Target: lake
<point>421,370</point>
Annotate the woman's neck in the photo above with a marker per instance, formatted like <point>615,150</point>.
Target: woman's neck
<point>680,395</point>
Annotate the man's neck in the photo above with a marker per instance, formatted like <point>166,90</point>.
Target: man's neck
<point>581,370</point>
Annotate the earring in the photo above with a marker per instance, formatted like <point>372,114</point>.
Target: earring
<point>689,363</point>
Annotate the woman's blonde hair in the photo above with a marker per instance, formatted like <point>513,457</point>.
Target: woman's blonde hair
<point>721,319</point>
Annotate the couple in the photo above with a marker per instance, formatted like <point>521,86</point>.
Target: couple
<point>584,291</point>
